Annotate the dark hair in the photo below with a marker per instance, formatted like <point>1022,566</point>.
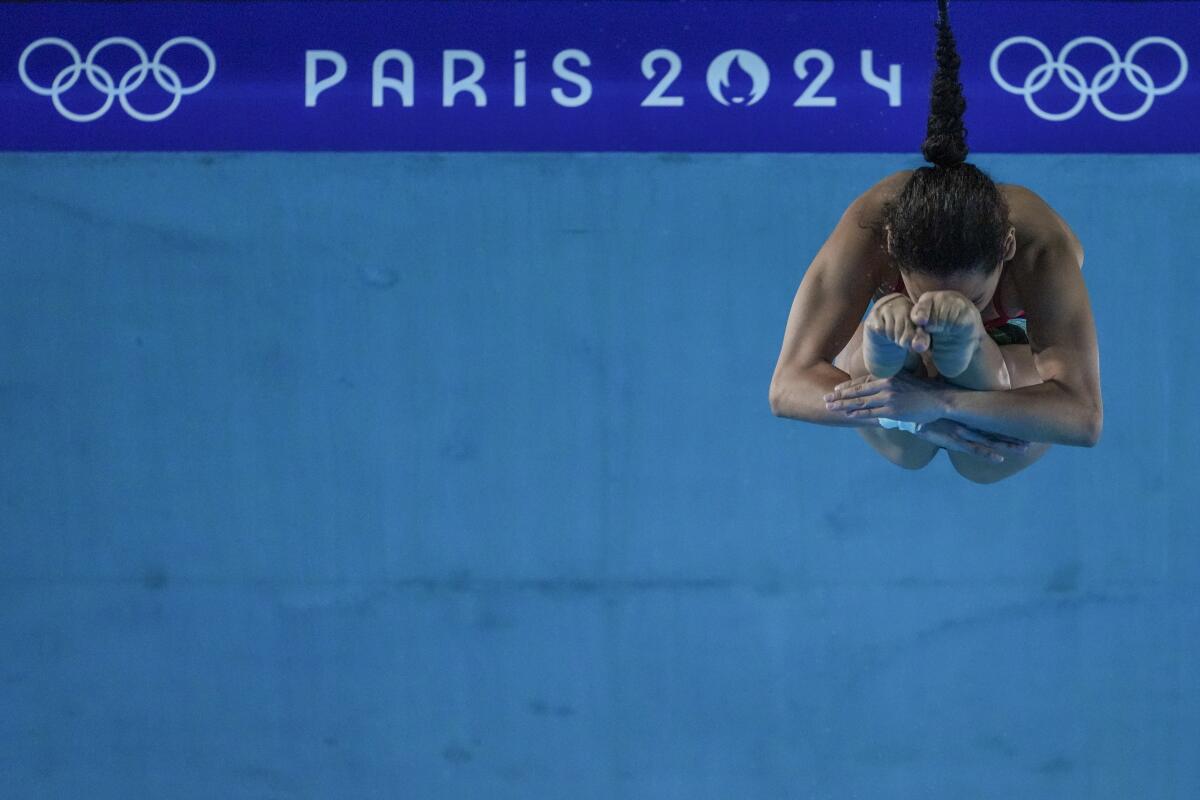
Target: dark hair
<point>949,217</point>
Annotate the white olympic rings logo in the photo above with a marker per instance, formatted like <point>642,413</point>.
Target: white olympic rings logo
<point>1102,82</point>
<point>166,77</point>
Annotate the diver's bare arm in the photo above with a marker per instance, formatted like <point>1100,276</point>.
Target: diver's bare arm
<point>833,295</point>
<point>799,395</point>
<point>1067,407</point>
<point>1045,412</point>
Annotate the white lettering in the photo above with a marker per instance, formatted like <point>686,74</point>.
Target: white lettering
<point>519,79</point>
<point>451,88</point>
<point>313,87</point>
<point>891,85</point>
<point>402,85</point>
<point>809,98</point>
<point>674,67</point>
<point>585,85</point>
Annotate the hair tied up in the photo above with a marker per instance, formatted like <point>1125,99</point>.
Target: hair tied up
<point>945,142</point>
<point>951,217</point>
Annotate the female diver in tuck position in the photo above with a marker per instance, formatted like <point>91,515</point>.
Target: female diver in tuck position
<point>949,259</point>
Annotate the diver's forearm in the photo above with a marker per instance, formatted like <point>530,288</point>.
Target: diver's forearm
<point>800,395</point>
<point>1045,412</point>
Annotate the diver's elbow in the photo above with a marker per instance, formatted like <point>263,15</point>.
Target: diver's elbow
<point>775,398</point>
<point>1095,427</point>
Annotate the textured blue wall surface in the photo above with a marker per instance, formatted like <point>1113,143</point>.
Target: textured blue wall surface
<point>429,476</point>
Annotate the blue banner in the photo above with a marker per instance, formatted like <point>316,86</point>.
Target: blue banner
<point>1062,77</point>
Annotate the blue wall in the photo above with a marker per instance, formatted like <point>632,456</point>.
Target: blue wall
<point>437,476</point>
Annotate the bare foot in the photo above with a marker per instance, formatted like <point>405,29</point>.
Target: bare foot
<point>954,328</point>
<point>887,335</point>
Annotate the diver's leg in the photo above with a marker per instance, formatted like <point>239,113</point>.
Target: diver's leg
<point>1019,362</point>
<point>900,447</point>
<point>961,350</point>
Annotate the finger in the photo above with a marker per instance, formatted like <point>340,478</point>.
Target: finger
<point>920,310</point>
<point>851,388</point>
<point>938,317</point>
<point>892,298</point>
<point>989,438</point>
<point>920,341</point>
<point>972,435</point>
<point>981,450</point>
<point>856,403</point>
<point>1001,438</point>
<point>996,437</point>
<point>864,389</point>
<point>1008,446</point>
<point>833,395</point>
<point>1010,439</point>
<point>853,404</point>
<point>845,384</point>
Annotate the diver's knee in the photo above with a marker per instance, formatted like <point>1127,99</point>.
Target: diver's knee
<point>977,470</point>
<point>1022,369</point>
<point>910,456</point>
<point>902,449</point>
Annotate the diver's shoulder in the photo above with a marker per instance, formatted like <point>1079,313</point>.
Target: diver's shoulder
<point>1022,195</point>
<point>1025,203</point>
<point>873,199</point>
<point>892,184</point>
<point>1036,220</point>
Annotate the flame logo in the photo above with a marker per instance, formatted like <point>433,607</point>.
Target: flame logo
<point>751,73</point>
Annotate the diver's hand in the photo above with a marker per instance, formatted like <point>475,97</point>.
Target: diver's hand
<point>888,335</point>
<point>903,396</point>
<point>950,435</point>
<point>909,398</point>
<point>954,325</point>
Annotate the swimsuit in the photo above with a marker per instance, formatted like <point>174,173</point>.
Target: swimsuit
<point>1002,329</point>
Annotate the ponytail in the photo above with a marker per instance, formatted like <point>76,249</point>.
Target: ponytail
<point>945,142</point>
